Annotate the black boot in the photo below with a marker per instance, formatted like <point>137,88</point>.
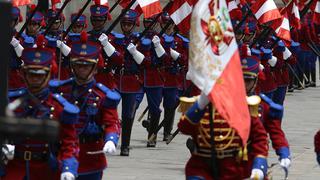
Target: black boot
<point>126,135</point>
<point>168,122</point>
<point>146,122</point>
<point>313,78</point>
<point>154,123</point>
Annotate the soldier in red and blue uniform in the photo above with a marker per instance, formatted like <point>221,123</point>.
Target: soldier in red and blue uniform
<point>268,61</point>
<point>270,114</point>
<point>34,27</point>
<point>40,159</point>
<point>284,57</point>
<point>98,128</point>
<point>153,77</point>
<point>233,160</point>
<point>129,78</point>
<point>54,37</point>
<point>15,78</point>
<point>99,17</point>
<point>172,61</point>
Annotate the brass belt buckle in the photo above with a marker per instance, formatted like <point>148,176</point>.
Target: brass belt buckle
<point>220,154</point>
<point>27,155</point>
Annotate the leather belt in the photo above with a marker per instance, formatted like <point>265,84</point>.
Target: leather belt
<point>28,155</point>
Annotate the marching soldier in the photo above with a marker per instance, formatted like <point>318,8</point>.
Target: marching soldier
<point>153,79</point>
<point>129,79</point>
<point>270,115</point>
<point>34,27</point>
<point>172,61</point>
<point>38,159</point>
<point>15,78</point>
<point>98,128</point>
<point>317,146</point>
<point>233,160</point>
<point>99,17</point>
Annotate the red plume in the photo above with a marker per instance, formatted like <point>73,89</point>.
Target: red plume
<point>32,7</point>
<point>83,37</point>
<point>244,50</point>
<point>41,41</point>
<point>97,2</point>
<point>261,75</point>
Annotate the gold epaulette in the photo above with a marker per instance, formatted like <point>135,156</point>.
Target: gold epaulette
<point>253,103</point>
<point>186,103</point>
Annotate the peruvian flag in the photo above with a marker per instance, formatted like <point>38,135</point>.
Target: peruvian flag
<point>282,28</point>
<point>316,12</point>
<point>180,13</point>
<point>294,14</point>
<point>150,7</point>
<point>17,3</point>
<point>265,11</point>
<point>232,5</point>
<point>214,64</point>
<point>97,2</point>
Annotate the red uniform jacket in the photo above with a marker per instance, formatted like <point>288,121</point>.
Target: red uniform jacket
<point>50,106</point>
<point>98,121</point>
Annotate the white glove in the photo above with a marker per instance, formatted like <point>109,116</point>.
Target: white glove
<point>67,176</point>
<point>256,174</point>
<point>261,67</point>
<point>109,148</point>
<point>137,56</point>
<point>174,54</point>
<point>17,46</point>
<point>285,163</point>
<point>107,47</point>
<point>273,61</point>
<point>157,46</point>
<point>203,101</point>
<point>8,152</point>
<point>286,54</point>
<point>63,48</point>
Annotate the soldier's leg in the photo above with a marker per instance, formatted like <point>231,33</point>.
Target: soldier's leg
<point>307,67</point>
<point>169,105</point>
<point>279,95</point>
<point>154,98</point>
<point>300,67</point>
<point>91,176</point>
<point>313,61</point>
<point>128,114</point>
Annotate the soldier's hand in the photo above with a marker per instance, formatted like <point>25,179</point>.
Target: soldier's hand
<point>65,49</point>
<point>14,42</point>
<point>174,54</point>
<point>156,41</point>
<point>256,174</point>
<point>8,152</point>
<point>67,176</point>
<point>285,163</point>
<point>261,67</point>
<point>103,39</point>
<point>273,61</point>
<point>132,48</point>
<point>203,101</point>
<point>109,148</point>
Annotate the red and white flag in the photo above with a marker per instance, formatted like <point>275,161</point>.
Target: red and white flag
<point>214,64</point>
<point>180,13</point>
<point>150,7</point>
<point>282,29</point>
<point>294,14</point>
<point>17,3</point>
<point>316,12</point>
<point>135,6</point>
<point>265,11</point>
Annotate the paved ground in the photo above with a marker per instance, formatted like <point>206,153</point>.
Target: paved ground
<point>166,162</point>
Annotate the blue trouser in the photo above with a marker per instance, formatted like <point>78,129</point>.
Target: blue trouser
<point>129,105</point>
<point>279,95</point>
<point>91,176</point>
<point>269,94</point>
<point>139,98</point>
<point>303,62</point>
<point>170,97</point>
<point>154,97</point>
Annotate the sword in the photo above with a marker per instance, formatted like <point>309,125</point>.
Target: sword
<point>95,152</point>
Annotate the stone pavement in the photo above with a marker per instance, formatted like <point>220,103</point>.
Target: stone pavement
<point>166,162</point>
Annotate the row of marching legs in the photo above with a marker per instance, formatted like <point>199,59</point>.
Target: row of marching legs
<point>130,104</point>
